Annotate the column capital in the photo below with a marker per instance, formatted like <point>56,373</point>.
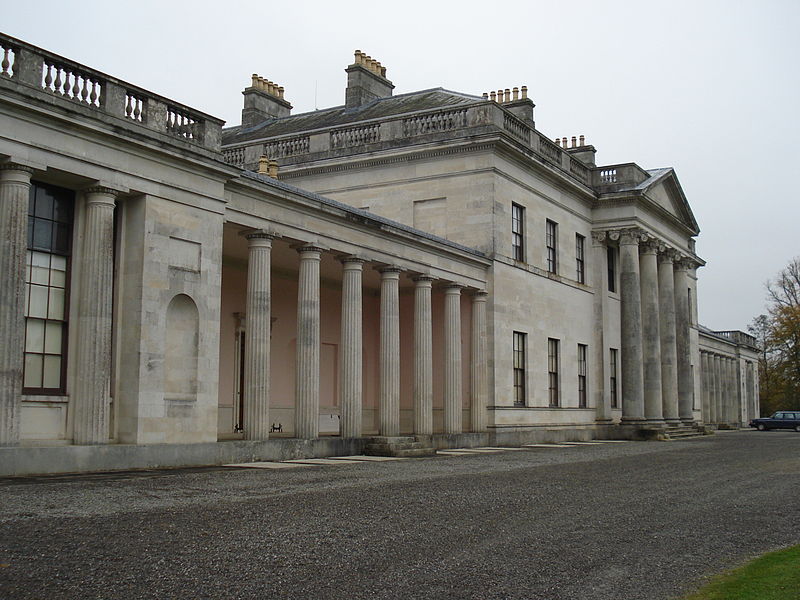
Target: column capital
<point>101,190</point>
<point>599,237</point>
<point>650,245</point>
<point>629,237</point>
<point>13,166</point>
<point>480,296</point>
<point>422,279</point>
<point>259,234</point>
<point>385,270</point>
<point>309,247</point>
<point>685,263</point>
<point>352,261</point>
<point>668,255</point>
<point>452,288</point>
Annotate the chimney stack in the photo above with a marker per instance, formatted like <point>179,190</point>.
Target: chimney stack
<point>366,81</point>
<point>263,100</point>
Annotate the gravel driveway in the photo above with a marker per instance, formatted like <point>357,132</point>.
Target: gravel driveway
<point>621,521</point>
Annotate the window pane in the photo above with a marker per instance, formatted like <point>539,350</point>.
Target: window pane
<point>52,372</point>
<point>61,238</point>
<point>58,273</point>
<point>34,335</point>
<point>42,234</point>
<point>44,203</point>
<point>38,302</point>
<point>62,211</point>
<point>33,370</point>
<point>40,275</point>
<point>52,338</point>
<point>56,309</point>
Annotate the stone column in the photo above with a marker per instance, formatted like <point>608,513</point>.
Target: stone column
<point>669,352</point>
<point>683,341</point>
<point>15,184</point>
<point>631,346</point>
<point>651,338</point>
<point>423,356</point>
<point>351,350</point>
<point>306,420</point>
<point>602,400</point>
<point>704,365</point>
<point>93,356</point>
<point>479,368</point>
<point>718,389</point>
<point>389,392</point>
<point>452,360</point>
<point>257,335</point>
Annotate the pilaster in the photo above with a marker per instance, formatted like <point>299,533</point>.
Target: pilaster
<point>602,400</point>
<point>479,369</point>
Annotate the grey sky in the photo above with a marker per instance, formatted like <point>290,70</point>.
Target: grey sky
<point>708,87</point>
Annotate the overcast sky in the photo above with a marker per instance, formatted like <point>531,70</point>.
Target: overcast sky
<point>711,88</point>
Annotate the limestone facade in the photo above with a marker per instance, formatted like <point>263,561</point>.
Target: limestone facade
<point>158,289</point>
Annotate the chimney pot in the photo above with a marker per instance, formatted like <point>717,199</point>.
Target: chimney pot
<point>558,142</point>
<point>263,165</point>
<point>524,92</point>
<point>516,93</point>
<point>564,143</point>
<point>272,167</point>
<point>582,140</point>
<point>493,96</point>
<point>574,141</point>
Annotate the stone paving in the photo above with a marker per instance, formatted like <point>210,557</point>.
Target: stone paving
<point>638,520</point>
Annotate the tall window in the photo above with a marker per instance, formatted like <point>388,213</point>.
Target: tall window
<point>551,240</point>
<point>552,370</point>
<point>611,254</point>
<point>580,269</point>
<point>518,232</point>
<point>519,368</point>
<point>612,384</point>
<point>50,211</point>
<point>581,375</point>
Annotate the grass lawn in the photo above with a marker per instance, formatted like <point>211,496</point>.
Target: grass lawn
<point>774,576</point>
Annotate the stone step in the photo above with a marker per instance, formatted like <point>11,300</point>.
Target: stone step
<point>398,446</point>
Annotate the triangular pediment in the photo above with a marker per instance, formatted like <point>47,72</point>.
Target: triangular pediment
<point>664,190</point>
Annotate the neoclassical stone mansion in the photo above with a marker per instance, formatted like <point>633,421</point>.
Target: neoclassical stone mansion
<point>426,264</point>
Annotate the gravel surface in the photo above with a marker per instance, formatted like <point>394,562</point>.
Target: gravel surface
<point>642,520</point>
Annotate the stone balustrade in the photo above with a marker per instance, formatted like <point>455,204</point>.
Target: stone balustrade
<point>608,177</point>
<point>104,96</point>
<point>431,123</point>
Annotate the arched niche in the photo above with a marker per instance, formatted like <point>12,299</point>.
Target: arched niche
<point>181,349</point>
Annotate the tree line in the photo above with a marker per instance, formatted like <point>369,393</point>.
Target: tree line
<point>778,335</point>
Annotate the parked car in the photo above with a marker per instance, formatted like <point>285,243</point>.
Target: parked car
<point>783,419</point>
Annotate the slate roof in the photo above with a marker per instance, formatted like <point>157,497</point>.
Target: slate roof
<point>331,117</point>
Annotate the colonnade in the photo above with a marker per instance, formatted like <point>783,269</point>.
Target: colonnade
<point>655,347</point>
<point>307,380</point>
<point>722,401</point>
<point>93,327</point>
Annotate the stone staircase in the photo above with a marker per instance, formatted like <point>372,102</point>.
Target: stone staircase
<point>398,446</point>
<point>679,432</point>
